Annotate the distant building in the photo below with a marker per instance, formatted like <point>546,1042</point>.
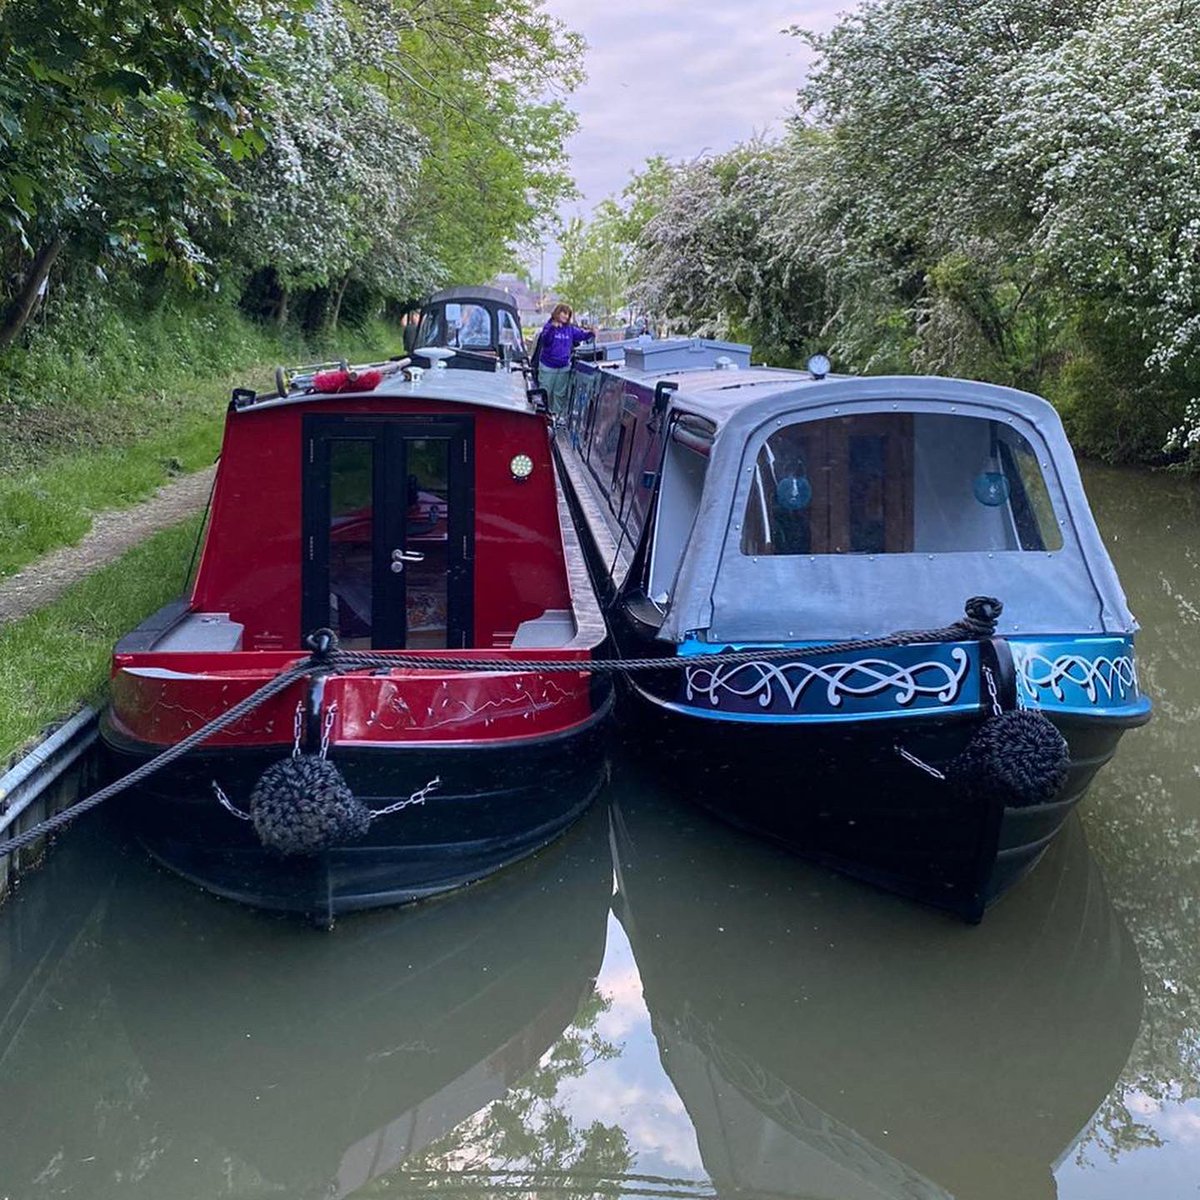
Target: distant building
<point>525,298</point>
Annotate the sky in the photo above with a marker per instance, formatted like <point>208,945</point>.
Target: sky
<point>679,79</point>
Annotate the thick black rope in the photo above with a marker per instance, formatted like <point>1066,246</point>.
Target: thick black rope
<point>979,622</point>
<point>271,688</point>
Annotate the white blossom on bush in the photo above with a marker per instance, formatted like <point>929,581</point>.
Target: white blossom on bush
<point>333,191</point>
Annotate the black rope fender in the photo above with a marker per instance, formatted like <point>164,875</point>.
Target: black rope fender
<point>977,623</point>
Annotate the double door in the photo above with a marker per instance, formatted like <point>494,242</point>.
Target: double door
<point>388,530</point>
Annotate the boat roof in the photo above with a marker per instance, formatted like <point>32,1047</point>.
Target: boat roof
<point>472,292</point>
<point>748,396</point>
<point>483,389</point>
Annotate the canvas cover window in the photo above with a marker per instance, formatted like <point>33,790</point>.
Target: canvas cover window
<point>897,483</point>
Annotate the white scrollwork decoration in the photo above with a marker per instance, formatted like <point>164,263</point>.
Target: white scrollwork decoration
<point>1116,677</point>
<point>865,677</point>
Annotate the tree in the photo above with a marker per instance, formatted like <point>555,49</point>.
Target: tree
<point>911,207</point>
<point>484,82</point>
<point>1101,147</point>
<point>710,257</point>
<point>370,148</point>
<point>594,269</point>
<point>332,195</point>
<point>116,122</point>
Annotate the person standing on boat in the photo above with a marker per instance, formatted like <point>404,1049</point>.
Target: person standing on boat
<point>552,356</point>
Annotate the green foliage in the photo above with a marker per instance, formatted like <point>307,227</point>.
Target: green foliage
<point>593,270</point>
<point>52,658</point>
<point>113,120</point>
<point>1006,189</point>
<point>484,83</point>
<point>706,254</point>
<point>335,147</point>
<point>101,411</point>
<point>1115,408</point>
<point>597,265</point>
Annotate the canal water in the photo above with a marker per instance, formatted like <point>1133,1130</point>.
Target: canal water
<point>657,1006</point>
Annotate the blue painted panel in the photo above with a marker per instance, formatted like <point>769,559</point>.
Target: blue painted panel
<point>1080,676</point>
<point>899,681</point>
<point>1096,675</point>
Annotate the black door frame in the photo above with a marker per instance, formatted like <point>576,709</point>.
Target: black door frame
<point>389,436</point>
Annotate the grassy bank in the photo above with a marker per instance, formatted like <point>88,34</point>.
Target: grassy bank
<point>108,404</point>
<point>58,657</point>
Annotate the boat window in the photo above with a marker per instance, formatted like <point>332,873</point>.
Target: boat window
<point>510,332</point>
<point>351,530</point>
<point>426,527</point>
<point>470,326</point>
<point>430,331</point>
<point>897,483</point>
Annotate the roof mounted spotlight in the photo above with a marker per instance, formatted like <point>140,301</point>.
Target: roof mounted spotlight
<point>437,355</point>
<point>818,366</point>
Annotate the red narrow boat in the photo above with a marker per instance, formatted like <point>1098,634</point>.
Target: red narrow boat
<point>409,512</point>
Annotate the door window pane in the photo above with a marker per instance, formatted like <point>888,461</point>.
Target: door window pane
<point>510,333</point>
<point>426,522</point>
<point>471,328</point>
<point>351,482</point>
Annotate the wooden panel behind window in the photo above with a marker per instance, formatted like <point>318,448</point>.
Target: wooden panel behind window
<point>863,485</point>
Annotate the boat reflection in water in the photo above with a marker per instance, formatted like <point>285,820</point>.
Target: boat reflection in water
<point>188,1047</point>
<point>833,1043</point>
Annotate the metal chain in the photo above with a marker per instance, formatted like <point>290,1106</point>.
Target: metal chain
<point>919,763</point>
<point>327,727</point>
<point>415,798</point>
<point>297,728</point>
<point>228,804</point>
<point>993,695</point>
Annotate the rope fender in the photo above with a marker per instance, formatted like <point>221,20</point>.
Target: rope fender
<point>289,786</point>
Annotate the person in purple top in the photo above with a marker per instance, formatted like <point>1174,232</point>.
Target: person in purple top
<point>552,356</point>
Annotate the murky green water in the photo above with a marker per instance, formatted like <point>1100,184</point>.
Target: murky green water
<point>657,1006</point>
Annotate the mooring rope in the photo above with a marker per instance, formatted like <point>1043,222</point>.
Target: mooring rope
<point>978,622</point>
<point>271,688</point>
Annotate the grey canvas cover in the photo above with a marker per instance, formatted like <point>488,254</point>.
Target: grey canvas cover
<point>724,594</point>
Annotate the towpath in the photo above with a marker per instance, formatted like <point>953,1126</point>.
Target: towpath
<point>112,533</point>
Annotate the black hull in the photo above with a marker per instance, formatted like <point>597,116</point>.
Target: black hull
<point>840,795</point>
<point>497,803</point>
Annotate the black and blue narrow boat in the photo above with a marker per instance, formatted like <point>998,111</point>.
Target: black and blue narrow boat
<point>736,508</point>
